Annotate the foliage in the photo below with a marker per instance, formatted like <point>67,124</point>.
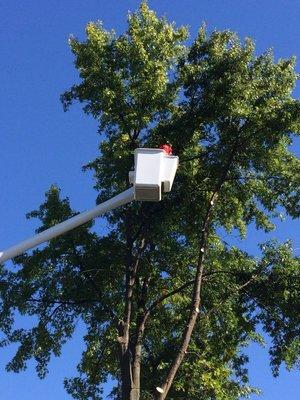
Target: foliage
<point>231,118</point>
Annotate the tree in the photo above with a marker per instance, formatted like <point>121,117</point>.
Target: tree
<point>169,306</point>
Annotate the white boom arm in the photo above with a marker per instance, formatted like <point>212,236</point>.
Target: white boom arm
<point>154,172</point>
<point>63,227</point>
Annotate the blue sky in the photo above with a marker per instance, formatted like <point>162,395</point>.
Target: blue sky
<point>41,145</point>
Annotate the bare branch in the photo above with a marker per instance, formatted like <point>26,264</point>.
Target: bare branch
<point>196,298</point>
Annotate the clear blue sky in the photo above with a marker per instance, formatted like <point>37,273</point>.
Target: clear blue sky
<point>41,145</point>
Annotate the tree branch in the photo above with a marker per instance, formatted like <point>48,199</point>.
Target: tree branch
<point>196,298</point>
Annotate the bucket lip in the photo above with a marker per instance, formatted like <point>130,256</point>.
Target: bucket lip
<point>148,150</point>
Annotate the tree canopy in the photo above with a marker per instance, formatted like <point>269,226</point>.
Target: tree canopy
<point>168,304</point>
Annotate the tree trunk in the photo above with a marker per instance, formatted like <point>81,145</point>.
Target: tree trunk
<point>129,390</point>
<point>126,376</point>
<point>130,370</point>
<point>130,378</point>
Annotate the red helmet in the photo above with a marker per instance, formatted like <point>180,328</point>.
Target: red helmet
<point>167,148</point>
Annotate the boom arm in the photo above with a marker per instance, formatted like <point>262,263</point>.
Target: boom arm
<point>59,229</point>
<point>154,172</point>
